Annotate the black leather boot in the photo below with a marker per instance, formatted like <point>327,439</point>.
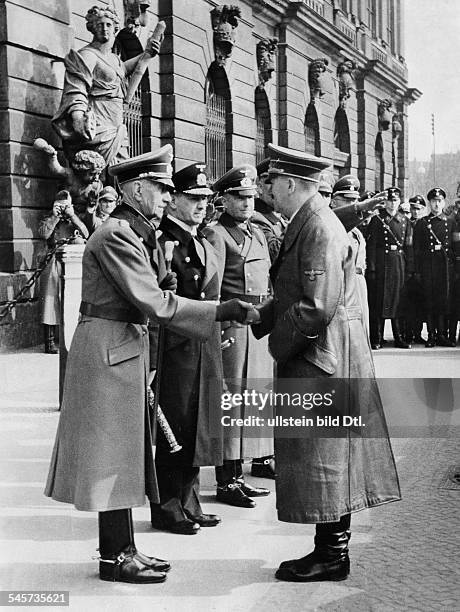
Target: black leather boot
<point>120,561</point>
<point>328,561</point>
<point>248,489</point>
<point>399,341</point>
<point>50,346</point>
<point>263,467</point>
<point>228,489</point>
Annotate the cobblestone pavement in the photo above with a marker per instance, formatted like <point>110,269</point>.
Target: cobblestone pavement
<point>404,555</point>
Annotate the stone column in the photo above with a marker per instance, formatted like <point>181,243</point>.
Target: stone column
<point>70,257</point>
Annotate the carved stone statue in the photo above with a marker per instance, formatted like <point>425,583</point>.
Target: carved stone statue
<point>91,112</point>
<point>396,126</point>
<point>384,114</point>
<point>345,73</point>
<point>266,50</point>
<point>224,19</point>
<point>317,78</point>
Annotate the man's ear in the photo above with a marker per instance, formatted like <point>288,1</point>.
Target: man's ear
<point>137,190</point>
<point>172,204</point>
<point>291,185</point>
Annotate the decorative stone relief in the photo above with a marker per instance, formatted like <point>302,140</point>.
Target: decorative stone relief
<point>224,19</point>
<point>317,78</point>
<point>346,75</point>
<point>266,50</point>
<point>384,114</point>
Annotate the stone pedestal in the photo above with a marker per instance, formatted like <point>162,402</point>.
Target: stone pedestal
<point>70,257</point>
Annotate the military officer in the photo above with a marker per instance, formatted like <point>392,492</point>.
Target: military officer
<point>102,459</point>
<point>412,292</point>
<point>243,249</point>
<point>325,185</point>
<point>191,373</point>
<point>271,223</point>
<point>455,311</point>
<point>317,337</point>
<point>346,192</point>
<point>387,234</point>
<point>434,261</point>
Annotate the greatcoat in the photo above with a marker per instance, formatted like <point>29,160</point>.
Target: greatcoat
<point>434,260</point>
<point>386,245</point>
<point>317,337</point>
<point>191,374</point>
<point>246,276</point>
<point>102,458</point>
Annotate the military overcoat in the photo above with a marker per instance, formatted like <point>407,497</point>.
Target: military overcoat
<point>386,245</point>
<point>102,458</point>
<point>246,275</point>
<point>191,376</point>
<point>317,334</point>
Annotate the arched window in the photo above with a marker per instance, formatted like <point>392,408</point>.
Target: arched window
<point>312,142</point>
<point>218,128</point>
<point>341,131</point>
<point>127,45</point>
<point>379,164</point>
<point>264,124</point>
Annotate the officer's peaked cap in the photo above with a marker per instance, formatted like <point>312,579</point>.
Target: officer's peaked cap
<point>294,163</point>
<point>417,201</point>
<point>393,191</point>
<point>192,180</point>
<point>347,186</point>
<point>262,167</point>
<point>436,192</point>
<point>155,165</point>
<point>240,179</point>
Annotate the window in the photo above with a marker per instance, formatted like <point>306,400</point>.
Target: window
<point>372,17</point>
<point>312,141</point>
<point>263,124</point>
<point>341,131</point>
<point>391,38</point>
<point>379,164</point>
<point>217,127</point>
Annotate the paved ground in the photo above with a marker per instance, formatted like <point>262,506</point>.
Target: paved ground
<point>404,555</point>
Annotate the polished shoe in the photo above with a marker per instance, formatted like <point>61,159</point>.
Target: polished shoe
<point>313,568</point>
<point>263,469</point>
<point>251,491</point>
<point>232,495</point>
<point>159,565</point>
<point>185,527</point>
<point>399,342</point>
<point>375,346</point>
<point>128,567</point>
<point>430,342</point>
<point>205,520</point>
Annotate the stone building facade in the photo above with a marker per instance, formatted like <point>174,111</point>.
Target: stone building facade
<point>327,76</point>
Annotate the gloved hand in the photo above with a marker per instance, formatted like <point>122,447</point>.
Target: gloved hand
<point>233,310</point>
<point>169,283</point>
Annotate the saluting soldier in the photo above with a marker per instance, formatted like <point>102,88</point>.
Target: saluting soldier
<point>386,243</point>
<point>434,260</point>
<point>102,459</point>
<point>191,373</point>
<point>243,249</point>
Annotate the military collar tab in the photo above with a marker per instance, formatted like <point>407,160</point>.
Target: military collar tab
<point>137,222</point>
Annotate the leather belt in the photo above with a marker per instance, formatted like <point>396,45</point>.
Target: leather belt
<point>246,297</point>
<point>353,312</point>
<point>131,315</point>
<point>359,271</point>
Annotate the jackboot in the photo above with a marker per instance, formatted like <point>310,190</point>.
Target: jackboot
<point>49,334</point>
<point>120,561</point>
<point>328,561</point>
<point>399,341</point>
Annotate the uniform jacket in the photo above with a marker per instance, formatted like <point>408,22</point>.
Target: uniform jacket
<point>316,334</point>
<point>386,245</point>
<point>358,245</point>
<point>434,257</point>
<point>246,275</point>
<point>192,406</point>
<point>102,458</point>
<point>272,226</point>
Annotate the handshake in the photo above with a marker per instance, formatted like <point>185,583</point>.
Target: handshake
<point>237,310</point>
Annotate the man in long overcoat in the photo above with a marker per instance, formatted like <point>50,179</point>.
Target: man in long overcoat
<point>317,340</point>
<point>102,459</point>
<point>191,372</point>
<point>243,250</point>
<point>434,260</point>
<point>387,235</point>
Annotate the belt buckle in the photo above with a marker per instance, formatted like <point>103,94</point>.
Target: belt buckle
<point>437,247</point>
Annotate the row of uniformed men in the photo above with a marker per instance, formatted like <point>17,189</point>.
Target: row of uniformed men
<point>102,460</point>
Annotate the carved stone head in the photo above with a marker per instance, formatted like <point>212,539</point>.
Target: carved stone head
<point>317,77</point>
<point>96,13</point>
<point>266,50</point>
<point>345,73</point>
<point>224,19</point>
<point>384,114</point>
<point>396,125</point>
